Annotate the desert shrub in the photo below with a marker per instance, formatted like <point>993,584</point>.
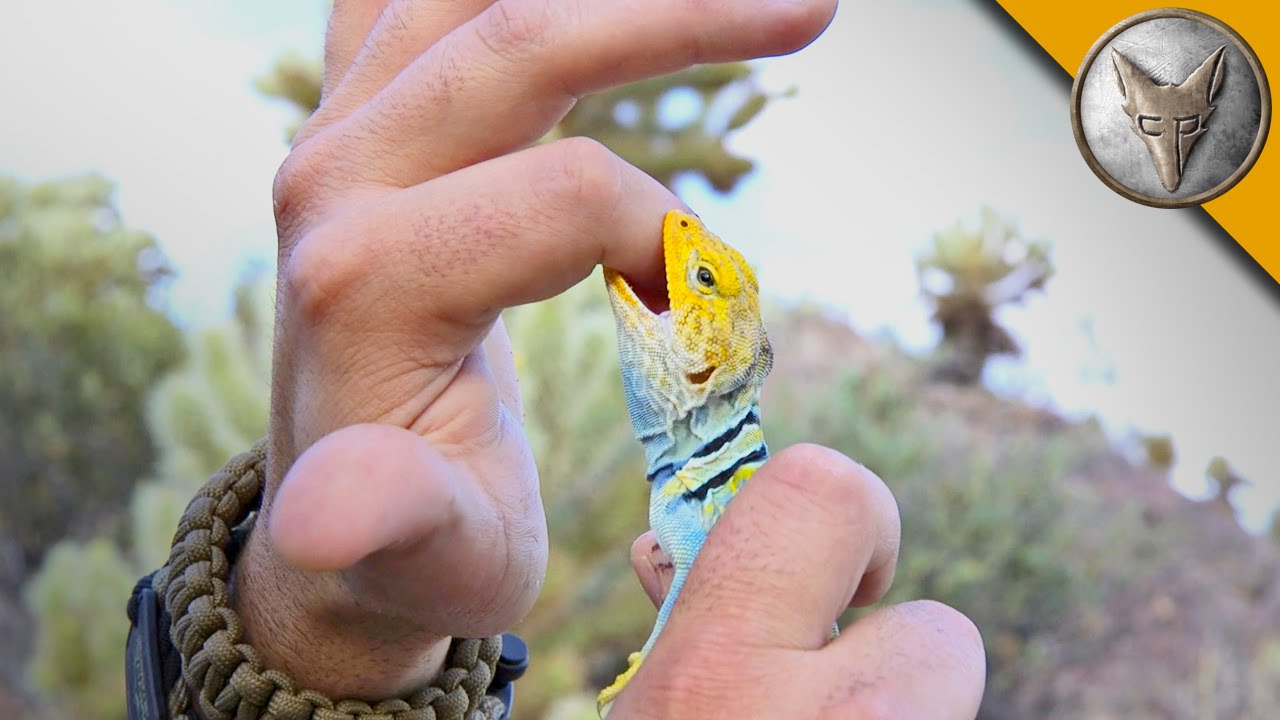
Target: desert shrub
<point>990,526</point>
<point>78,601</point>
<point>208,409</point>
<point>82,337</point>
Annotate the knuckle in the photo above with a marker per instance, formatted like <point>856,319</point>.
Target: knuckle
<point>508,30</point>
<point>322,269</point>
<point>299,184</point>
<point>694,47</point>
<point>582,173</point>
<point>828,489</point>
<point>827,479</point>
<point>289,186</point>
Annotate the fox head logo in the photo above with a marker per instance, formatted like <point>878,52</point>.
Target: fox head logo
<point>1169,118</point>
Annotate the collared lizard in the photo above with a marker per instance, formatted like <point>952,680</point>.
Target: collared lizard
<point>692,376</point>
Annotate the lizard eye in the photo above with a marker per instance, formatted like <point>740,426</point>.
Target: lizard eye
<point>705,277</point>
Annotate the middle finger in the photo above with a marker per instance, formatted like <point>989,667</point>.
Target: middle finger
<point>504,78</point>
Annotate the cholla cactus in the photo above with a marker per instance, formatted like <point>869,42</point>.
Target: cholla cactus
<point>631,121</point>
<point>568,342</point>
<point>1160,451</point>
<point>967,276</point>
<point>216,404</point>
<point>210,409</point>
<point>1225,480</point>
<point>297,80</point>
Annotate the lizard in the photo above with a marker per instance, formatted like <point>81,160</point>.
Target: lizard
<point>692,375</point>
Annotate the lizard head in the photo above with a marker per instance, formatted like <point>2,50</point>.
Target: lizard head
<point>709,342</point>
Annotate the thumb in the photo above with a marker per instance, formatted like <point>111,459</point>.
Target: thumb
<point>361,490</point>
<point>808,532</point>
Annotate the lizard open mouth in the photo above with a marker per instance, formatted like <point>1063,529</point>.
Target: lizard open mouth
<point>655,300</point>
<point>701,377</point>
<point>656,304</point>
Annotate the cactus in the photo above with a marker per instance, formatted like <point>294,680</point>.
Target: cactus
<point>967,276</point>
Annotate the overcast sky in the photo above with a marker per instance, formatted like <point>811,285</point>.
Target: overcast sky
<point>909,117</point>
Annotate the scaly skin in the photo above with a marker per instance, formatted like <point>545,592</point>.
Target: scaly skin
<point>692,379</point>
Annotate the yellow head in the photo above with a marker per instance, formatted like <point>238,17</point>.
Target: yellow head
<point>710,341</point>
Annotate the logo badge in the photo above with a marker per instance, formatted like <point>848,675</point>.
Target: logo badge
<point>1170,108</point>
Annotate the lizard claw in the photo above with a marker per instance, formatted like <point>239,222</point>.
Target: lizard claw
<point>605,699</point>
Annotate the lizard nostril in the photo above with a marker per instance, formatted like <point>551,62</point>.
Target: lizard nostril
<point>699,378</point>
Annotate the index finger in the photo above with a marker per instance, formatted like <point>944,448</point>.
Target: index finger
<point>512,230</point>
<point>792,550</point>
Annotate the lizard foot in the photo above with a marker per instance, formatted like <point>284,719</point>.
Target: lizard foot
<point>606,697</point>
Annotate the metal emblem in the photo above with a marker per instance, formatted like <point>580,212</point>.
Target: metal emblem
<point>1170,108</point>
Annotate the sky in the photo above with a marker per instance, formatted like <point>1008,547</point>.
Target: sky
<point>909,117</point>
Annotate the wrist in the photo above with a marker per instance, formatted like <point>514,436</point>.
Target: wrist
<point>309,626</point>
<point>188,646</point>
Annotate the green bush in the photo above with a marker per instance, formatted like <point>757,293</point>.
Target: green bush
<point>990,525</point>
<point>210,408</point>
<point>82,338</point>
<point>78,602</point>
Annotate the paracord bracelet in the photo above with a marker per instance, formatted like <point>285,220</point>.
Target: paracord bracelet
<point>187,649</point>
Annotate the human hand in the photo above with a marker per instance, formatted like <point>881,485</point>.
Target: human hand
<point>810,534</point>
<point>402,503</point>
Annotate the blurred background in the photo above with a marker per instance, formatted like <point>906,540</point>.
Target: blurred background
<point>1074,397</point>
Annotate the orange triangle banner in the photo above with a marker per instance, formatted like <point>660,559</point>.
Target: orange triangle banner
<point>1248,212</point>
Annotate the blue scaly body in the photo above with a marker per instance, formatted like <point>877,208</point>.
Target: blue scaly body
<point>691,374</point>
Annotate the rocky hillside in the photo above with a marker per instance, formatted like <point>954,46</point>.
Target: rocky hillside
<point>1183,617</point>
